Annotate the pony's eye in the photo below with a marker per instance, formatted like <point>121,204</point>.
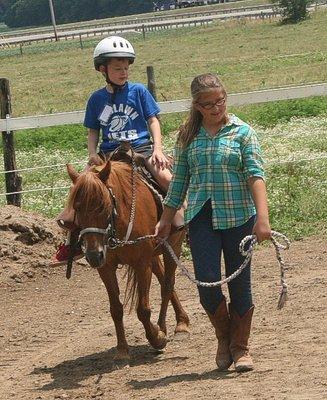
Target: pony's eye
<point>77,206</point>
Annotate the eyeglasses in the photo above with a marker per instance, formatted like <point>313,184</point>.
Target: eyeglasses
<point>210,105</point>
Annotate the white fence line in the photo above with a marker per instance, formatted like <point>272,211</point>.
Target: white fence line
<point>269,163</point>
<point>42,167</point>
<point>132,20</point>
<point>143,25</point>
<point>236,99</point>
<point>150,26</point>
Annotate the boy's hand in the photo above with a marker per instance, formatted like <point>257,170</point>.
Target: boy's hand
<point>94,159</point>
<point>158,158</point>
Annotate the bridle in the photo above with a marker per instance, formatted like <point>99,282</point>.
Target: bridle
<point>110,239</point>
<point>109,232</point>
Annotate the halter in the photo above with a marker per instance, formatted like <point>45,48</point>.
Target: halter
<point>110,239</point>
<point>110,231</point>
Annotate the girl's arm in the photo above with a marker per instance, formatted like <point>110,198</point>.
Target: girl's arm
<point>259,194</point>
<point>158,156</point>
<point>163,227</point>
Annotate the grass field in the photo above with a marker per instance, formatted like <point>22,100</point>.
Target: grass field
<point>296,165</point>
<point>248,55</point>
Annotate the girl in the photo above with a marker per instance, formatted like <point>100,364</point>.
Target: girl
<point>218,162</point>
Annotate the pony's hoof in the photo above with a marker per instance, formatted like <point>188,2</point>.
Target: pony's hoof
<point>181,336</point>
<point>121,360</point>
<point>160,342</point>
<point>121,364</point>
<point>182,328</point>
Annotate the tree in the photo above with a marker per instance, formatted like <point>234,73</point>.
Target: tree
<point>36,12</point>
<point>27,13</point>
<point>293,11</point>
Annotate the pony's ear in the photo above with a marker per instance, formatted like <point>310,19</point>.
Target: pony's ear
<point>72,173</point>
<point>104,173</point>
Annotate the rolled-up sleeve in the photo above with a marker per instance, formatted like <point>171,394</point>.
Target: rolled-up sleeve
<point>180,180</point>
<point>252,156</point>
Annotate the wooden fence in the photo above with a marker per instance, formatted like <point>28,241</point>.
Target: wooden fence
<point>235,99</point>
<point>8,124</point>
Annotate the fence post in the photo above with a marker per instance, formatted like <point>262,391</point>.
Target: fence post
<point>151,81</point>
<point>13,180</point>
<point>80,41</point>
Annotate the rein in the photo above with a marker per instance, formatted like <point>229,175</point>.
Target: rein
<point>251,239</point>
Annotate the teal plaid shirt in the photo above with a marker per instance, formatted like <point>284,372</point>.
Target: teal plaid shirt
<point>217,168</point>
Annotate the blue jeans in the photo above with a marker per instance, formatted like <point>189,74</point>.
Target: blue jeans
<point>207,246</point>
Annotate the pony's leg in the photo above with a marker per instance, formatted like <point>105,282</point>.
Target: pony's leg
<point>181,316</point>
<point>175,240</point>
<point>155,336</point>
<point>109,278</point>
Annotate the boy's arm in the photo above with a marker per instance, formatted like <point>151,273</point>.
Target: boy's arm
<point>92,146</point>
<point>158,156</point>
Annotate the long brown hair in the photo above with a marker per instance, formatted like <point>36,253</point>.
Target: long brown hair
<point>200,84</point>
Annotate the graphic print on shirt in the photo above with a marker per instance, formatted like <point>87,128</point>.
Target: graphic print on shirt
<point>116,120</point>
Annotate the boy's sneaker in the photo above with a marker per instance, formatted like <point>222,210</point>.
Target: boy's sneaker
<point>62,255</point>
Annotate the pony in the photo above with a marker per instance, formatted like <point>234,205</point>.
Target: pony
<point>102,200</point>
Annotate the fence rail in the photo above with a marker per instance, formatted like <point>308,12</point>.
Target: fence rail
<point>237,99</point>
<point>132,20</point>
<point>145,18</point>
<point>137,26</point>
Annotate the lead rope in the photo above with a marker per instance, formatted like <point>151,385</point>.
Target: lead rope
<point>133,206</point>
<point>252,239</point>
<point>248,254</point>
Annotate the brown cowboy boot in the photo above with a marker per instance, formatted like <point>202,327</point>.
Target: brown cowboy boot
<point>221,322</point>
<point>240,333</point>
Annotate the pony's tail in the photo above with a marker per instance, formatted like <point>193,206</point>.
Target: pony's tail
<point>131,294</point>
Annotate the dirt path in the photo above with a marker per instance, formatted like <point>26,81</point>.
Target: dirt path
<point>57,339</point>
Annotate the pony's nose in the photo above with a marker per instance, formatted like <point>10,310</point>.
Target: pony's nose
<point>95,258</point>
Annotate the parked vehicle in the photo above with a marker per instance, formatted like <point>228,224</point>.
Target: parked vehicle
<point>172,4</point>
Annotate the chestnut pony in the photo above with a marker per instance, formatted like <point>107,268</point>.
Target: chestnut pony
<point>102,200</point>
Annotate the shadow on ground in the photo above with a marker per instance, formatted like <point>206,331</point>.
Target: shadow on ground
<point>69,374</point>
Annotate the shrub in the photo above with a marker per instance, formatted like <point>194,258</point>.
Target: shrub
<point>293,11</point>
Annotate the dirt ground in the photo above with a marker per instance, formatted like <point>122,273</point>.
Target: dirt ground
<point>57,339</point>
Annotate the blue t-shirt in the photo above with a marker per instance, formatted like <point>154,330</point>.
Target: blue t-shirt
<point>125,120</point>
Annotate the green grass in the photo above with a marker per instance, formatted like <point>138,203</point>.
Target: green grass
<point>248,55</point>
<point>296,166</point>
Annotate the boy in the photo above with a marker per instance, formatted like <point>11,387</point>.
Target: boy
<point>122,111</point>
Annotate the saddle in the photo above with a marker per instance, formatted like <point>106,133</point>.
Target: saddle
<point>125,153</point>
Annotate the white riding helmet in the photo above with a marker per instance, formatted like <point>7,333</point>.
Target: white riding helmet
<point>112,47</point>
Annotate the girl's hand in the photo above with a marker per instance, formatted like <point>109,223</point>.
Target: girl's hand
<point>158,158</point>
<point>162,231</point>
<point>262,229</point>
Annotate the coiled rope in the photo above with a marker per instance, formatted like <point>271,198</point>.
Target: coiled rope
<point>250,241</point>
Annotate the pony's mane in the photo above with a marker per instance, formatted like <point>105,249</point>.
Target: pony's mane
<point>120,180</point>
<point>90,192</point>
